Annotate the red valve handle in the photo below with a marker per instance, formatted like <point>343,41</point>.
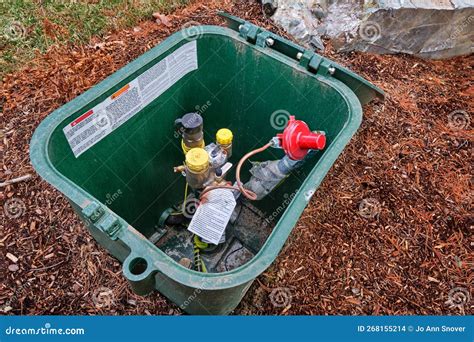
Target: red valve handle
<point>297,139</point>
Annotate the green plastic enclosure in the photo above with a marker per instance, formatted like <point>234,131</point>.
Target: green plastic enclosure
<point>244,77</point>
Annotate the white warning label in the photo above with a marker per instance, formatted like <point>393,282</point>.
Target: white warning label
<point>211,217</point>
<point>95,124</point>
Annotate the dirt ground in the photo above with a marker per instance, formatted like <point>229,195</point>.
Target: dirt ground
<point>408,253</point>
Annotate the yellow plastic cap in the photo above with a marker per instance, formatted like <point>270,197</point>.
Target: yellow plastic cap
<point>197,159</point>
<point>224,136</point>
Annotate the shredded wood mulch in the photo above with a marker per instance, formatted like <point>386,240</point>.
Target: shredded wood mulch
<point>388,232</point>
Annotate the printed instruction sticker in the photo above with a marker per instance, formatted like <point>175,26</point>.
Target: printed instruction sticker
<point>101,120</point>
<point>212,215</point>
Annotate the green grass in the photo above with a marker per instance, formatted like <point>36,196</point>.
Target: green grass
<point>27,26</point>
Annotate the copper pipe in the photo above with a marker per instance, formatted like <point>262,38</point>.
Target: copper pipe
<point>247,193</point>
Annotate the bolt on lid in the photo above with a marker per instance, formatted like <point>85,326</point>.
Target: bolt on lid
<point>197,159</point>
<point>224,136</point>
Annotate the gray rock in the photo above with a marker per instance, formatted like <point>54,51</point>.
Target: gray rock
<point>433,29</point>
